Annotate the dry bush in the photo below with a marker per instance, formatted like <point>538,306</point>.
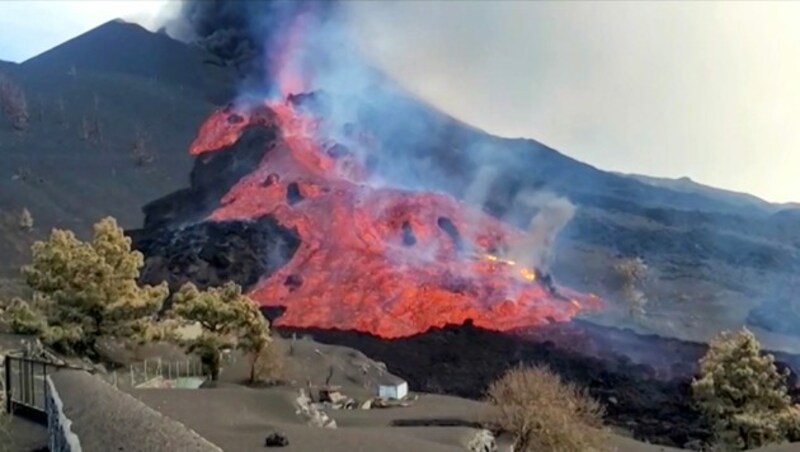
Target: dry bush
<point>545,413</point>
<point>13,103</point>
<point>90,130</point>
<point>743,395</point>
<point>26,220</point>
<point>270,363</point>
<point>142,152</point>
<point>632,272</point>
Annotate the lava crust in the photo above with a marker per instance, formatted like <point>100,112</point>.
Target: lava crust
<point>212,253</point>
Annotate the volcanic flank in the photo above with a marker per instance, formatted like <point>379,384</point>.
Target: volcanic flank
<point>379,260</point>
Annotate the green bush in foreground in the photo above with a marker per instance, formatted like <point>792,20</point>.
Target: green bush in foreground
<point>743,395</point>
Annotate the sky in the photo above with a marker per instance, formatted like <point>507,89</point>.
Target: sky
<point>707,90</point>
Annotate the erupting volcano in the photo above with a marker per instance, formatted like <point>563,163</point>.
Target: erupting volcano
<point>380,260</point>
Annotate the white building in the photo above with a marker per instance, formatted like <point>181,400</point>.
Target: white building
<point>391,387</point>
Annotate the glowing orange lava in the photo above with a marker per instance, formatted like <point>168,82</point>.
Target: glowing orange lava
<point>377,260</point>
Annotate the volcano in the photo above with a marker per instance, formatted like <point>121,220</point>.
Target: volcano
<point>364,257</point>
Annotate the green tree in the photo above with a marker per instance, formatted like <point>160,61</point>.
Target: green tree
<point>743,394</point>
<point>228,318</point>
<point>87,290</point>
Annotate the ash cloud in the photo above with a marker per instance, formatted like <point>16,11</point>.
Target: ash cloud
<point>243,34</point>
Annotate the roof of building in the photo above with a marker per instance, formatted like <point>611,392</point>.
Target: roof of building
<point>390,380</point>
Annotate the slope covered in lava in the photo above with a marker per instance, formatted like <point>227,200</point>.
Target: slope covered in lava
<point>376,259</point>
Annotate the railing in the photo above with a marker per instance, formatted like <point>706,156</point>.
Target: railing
<point>25,382</point>
<point>146,371</point>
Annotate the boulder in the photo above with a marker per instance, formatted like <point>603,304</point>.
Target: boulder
<point>276,439</point>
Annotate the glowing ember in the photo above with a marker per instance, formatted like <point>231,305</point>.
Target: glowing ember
<point>384,261</point>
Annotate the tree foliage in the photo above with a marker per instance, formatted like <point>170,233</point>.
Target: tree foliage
<point>86,290</point>
<point>545,413</point>
<point>743,394</point>
<point>228,318</point>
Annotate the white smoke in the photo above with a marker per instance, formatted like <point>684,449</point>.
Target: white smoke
<point>552,214</point>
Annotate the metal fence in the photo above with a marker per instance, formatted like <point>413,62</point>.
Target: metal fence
<point>173,372</point>
<point>25,383</point>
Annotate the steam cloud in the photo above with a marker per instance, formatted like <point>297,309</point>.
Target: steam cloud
<point>553,213</point>
<point>312,45</point>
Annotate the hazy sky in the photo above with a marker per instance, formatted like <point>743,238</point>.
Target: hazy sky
<point>709,90</point>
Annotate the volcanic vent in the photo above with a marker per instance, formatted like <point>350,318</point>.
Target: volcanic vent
<point>380,260</point>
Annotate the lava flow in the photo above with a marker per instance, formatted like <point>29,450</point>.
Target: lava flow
<point>384,261</point>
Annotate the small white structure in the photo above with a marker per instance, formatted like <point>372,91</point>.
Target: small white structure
<point>391,387</point>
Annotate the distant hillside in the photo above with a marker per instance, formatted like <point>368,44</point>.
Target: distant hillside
<point>123,48</point>
<point>687,185</point>
<point>101,106</point>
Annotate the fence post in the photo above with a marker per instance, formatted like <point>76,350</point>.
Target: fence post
<point>133,383</point>
<point>7,366</point>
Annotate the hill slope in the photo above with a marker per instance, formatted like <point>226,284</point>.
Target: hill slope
<point>92,101</point>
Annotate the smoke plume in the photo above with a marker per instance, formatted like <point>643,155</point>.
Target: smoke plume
<point>248,35</point>
<point>552,214</point>
<point>285,48</point>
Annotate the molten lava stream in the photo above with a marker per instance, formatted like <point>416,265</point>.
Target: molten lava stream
<point>378,260</point>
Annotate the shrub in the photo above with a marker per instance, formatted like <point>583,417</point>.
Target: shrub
<point>269,364</point>
<point>545,413</point>
<point>141,150</point>
<point>13,103</point>
<point>743,394</point>
<point>87,290</point>
<point>26,219</point>
<point>632,272</point>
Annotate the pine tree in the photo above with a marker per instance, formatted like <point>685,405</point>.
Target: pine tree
<point>88,290</point>
<point>228,318</point>
<point>743,394</point>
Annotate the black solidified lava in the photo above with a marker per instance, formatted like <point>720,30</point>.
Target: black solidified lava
<point>213,253</point>
<point>293,195</point>
<point>213,175</point>
<point>447,226</point>
<point>293,281</point>
<point>408,235</point>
